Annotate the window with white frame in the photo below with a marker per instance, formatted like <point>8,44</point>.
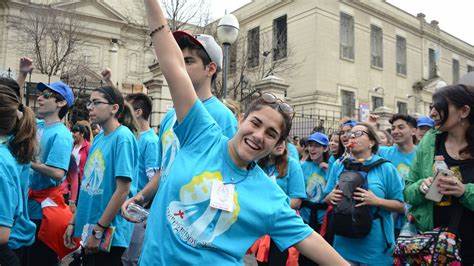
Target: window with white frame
<point>348,103</point>
<point>401,55</point>
<point>253,45</point>
<point>455,71</point>
<point>346,36</point>
<point>402,108</point>
<point>376,46</point>
<point>376,102</point>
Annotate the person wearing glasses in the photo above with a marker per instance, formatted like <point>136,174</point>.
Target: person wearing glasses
<point>384,194</point>
<point>110,175</point>
<point>215,202</point>
<point>51,165</point>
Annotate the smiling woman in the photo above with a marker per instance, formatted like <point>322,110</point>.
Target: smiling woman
<point>214,200</point>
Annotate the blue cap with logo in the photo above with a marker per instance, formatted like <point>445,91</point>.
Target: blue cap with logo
<point>351,123</point>
<point>60,88</point>
<point>319,138</point>
<point>424,121</point>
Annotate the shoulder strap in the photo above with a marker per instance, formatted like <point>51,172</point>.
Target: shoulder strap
<point>367,168</point>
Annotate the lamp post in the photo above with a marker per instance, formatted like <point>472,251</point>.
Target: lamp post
<point>227,33</point>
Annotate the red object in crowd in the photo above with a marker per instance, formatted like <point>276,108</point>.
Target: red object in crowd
<point>56,217</point>
<point>74,175</point>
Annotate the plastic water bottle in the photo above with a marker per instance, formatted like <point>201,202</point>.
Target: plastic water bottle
<point>439,164</point>
<point>137,213</point>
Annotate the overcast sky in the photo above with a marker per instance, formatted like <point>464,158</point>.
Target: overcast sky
<point>454,16</point>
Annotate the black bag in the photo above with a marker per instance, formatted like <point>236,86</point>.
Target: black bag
<point>348,220</point>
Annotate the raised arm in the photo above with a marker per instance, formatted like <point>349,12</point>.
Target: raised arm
<point>171,60</point>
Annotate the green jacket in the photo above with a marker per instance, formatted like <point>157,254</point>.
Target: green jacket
<point>421,168</point>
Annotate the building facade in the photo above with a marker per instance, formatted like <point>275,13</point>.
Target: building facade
<point>352,56</point>
<point>112,34</point>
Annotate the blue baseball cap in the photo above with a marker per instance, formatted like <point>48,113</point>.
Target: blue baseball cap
<point>424,121</point>
<point>61,88</point>
<point>351,123</point>
<point>319,138</point>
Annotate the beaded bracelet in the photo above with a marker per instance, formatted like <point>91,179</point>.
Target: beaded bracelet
<point>157,30</point>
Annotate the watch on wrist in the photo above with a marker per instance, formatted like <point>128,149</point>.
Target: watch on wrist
<point>97,234</point>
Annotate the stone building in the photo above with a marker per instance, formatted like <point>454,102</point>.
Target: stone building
<point>353,56</point>
<point>113,34</point>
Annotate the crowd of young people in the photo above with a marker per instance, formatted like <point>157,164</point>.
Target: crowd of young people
<point>219,184</point>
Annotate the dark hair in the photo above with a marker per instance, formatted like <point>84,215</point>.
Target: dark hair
<point>259,103</point>
<point>140,101</point>
<point>186,43</point>
<point>12,84</point>
<point>372,135</point>
<point>303,141</point>
<point>84,129</point>
<point>340,146</point>
<point>459,95</point>
<point>23,145</point>
<point>125,113</point>
<point>411,121</point>
<point>281,162</point>
<point>59,98</point>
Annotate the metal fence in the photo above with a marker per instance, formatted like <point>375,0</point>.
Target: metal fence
<point>316,120</point>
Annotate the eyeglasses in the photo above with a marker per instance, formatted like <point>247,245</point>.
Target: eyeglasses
<point>47,94</point>
<point>283,106</point>
<point>94,104</point>
<point>355,134</point>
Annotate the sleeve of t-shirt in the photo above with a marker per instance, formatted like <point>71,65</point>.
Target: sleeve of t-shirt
<point>231,127</point>
<point>198,128</point>
<point>393,182</point>
<point>287,228</point>
<point>382,152</point>
<point>124,157</point>
<point>296,183</point>
<point>60,152</point>
<point>151,156</point>
<point>9,201</point>
<point>332,177</point>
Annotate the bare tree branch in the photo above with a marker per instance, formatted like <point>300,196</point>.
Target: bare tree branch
<point>50,36</point>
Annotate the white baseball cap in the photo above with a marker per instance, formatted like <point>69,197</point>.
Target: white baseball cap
<point>206,42</point>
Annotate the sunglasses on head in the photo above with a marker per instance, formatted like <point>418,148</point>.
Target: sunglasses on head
<point>282,106</point>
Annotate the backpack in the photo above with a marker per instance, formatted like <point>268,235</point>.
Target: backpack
<point>347,220</point>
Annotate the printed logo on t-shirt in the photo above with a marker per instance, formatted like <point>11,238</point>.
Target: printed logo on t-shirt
<point>315,186</point>
<point>403,170</point>
<point>192,219</point>
<point>170,147</point>
<point>94,174</point>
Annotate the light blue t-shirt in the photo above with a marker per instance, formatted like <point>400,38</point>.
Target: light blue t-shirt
<point>292,151</point>
<point>401,161</point>
<point>292,183</point>
<point>385,182</point>
<point>148,160</point>
<point>110,157</point>
<point>55,148</point>
<point>315,180</point>
<point>13,198</point>
<point>184,230</point>
<point>169,144</point>
<point>331,161</point>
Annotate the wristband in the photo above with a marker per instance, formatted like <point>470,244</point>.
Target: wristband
<point>101,226</point>
<point>157,30</point>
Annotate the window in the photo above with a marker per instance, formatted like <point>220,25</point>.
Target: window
<point>253,45</point>
<point>432,63</point>
<point>279,38</point>
<point>470,68</point>
<point>376,46</point>
<point>376,102</point>
<point>402,108</point>
<point>455,71</point>
<point>348,103</point>
<point>346,36</point>
<point>401,54</point>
